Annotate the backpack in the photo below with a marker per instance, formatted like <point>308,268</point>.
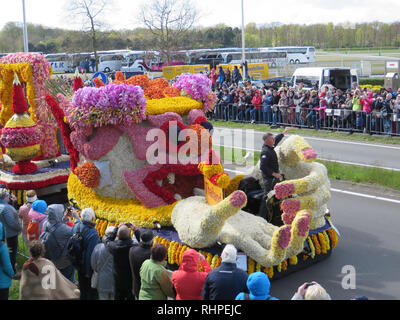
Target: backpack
<point>32,232</point>
<point>75,248</point>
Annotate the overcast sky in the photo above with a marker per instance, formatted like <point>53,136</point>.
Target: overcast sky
<point>50,12</point>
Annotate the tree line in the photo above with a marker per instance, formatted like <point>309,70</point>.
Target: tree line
<point>322,36</point>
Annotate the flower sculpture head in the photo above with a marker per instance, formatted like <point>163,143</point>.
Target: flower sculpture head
<point>146,141</point>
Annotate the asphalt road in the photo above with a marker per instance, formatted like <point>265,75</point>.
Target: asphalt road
<point>353,152</point>
<point>369,237</point>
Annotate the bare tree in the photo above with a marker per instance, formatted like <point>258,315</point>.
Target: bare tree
<point>90,13</point>
<point>168,21</point>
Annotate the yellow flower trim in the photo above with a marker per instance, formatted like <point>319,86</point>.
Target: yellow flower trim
<point>118,210</point>
<point>209,258</point>
<point>180,105</point>
<point>269,271</point>
<point>316,244</point>
<point>24,72</point>
<point>322,241</point>
<point>25,153</point>
<point>182,251</point>
<point>214,261</point>
<point>234,184</point>
<point>310,243</point>
<point>209,170</point>
<point>223,181</point>
<point>293,260</point>
<point>258,267</point>
<point>22,120</point>
<point>250,265</point>
<point>284,265</point>
<point>279,267</point>
<point>326,240</point>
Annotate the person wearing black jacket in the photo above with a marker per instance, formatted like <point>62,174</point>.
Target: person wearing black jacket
<point>137,255</point>
<point>269,166</point>
<point>120,252</point>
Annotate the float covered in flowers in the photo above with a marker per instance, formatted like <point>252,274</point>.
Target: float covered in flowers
<point>126,172</point>
<point>29,132</point>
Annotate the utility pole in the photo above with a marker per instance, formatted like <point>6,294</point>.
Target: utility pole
<point>243,45</point>
<point>26,48</point>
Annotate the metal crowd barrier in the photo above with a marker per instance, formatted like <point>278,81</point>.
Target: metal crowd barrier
<point>330,119</point>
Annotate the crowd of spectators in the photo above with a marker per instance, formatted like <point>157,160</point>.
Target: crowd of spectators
<point>123,265</point>
<point>354,110</point>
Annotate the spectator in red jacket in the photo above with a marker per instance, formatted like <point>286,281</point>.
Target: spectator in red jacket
<point>188,281</point>
<point>257,103</point>
<point>366,103</point>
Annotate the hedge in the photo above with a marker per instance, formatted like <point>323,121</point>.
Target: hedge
<point>372,81</point>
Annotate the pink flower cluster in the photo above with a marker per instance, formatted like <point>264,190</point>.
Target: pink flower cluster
<point>290,206</point>
<point>40,65</point>
<point>309,153</point>
<point>198,86</point>
<point>20,137</point>
<point>238,199</point>
<point>113,104</point>
<point>284,190</point>
<point>284,237</point>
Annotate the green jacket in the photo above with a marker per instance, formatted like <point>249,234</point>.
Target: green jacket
<point>156,282</point>
<point>356,104</point>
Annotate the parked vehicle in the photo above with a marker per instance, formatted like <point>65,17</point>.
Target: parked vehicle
<point>111,62</point>
<point>315,78</point>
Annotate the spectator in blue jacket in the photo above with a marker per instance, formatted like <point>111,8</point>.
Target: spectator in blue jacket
<point>226,281</point>
<point>221,77</point>
<point>6,270</point>
<point>58,236</point>
<point>90,240</point>
<point>9,219</point>
<point>259,286</point>
<point>266,107</point>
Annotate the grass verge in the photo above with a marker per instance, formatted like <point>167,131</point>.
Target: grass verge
<point>311,133</point>
<point>336,171</point>
<point>22,248</point>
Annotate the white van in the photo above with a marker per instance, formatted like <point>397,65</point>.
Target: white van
<point>341,78</point>
<point>111,62</point>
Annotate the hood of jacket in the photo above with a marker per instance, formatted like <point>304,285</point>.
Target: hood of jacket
<point>370,94</point>
<point>55,213</point>
<point>258,285</point>
<point>34,215</point>
<point>190,259</point>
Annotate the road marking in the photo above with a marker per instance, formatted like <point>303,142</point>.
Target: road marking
<point>321,139</point>
<point>323,159</point>
<point>340,191</point>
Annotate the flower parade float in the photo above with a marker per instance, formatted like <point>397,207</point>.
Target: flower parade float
<point>30,150</point>
<point>145,157</point>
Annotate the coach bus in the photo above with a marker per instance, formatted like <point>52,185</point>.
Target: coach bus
<point>60,62</point>
<point>297,55</point>
<point>274,58</point>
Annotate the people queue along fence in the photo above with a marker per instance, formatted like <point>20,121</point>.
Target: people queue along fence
<point>353,110</point>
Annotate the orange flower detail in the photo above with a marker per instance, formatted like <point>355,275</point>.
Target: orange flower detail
<point>171,92</point>
<point>139,80</point>
<point>98,82</point>
<point>88,174</point>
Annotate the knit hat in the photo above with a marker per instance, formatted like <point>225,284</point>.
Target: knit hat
<point>146,236</point>
<point>39,206</point>
<point>87,214</point>
<point>229,254</point>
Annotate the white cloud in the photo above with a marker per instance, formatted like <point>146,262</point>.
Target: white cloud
<point>50,12</point>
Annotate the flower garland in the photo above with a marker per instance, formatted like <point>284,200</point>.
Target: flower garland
<point>312,248</point>
<point>316,244</point>
<point>179,105</point>
<point>334,237</point>
<point>322,241</point>
<point>111,104</point>
<point>119,210</point>
<point>293,260</point>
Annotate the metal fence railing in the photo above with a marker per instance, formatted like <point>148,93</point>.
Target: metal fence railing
<point>328,119</point>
